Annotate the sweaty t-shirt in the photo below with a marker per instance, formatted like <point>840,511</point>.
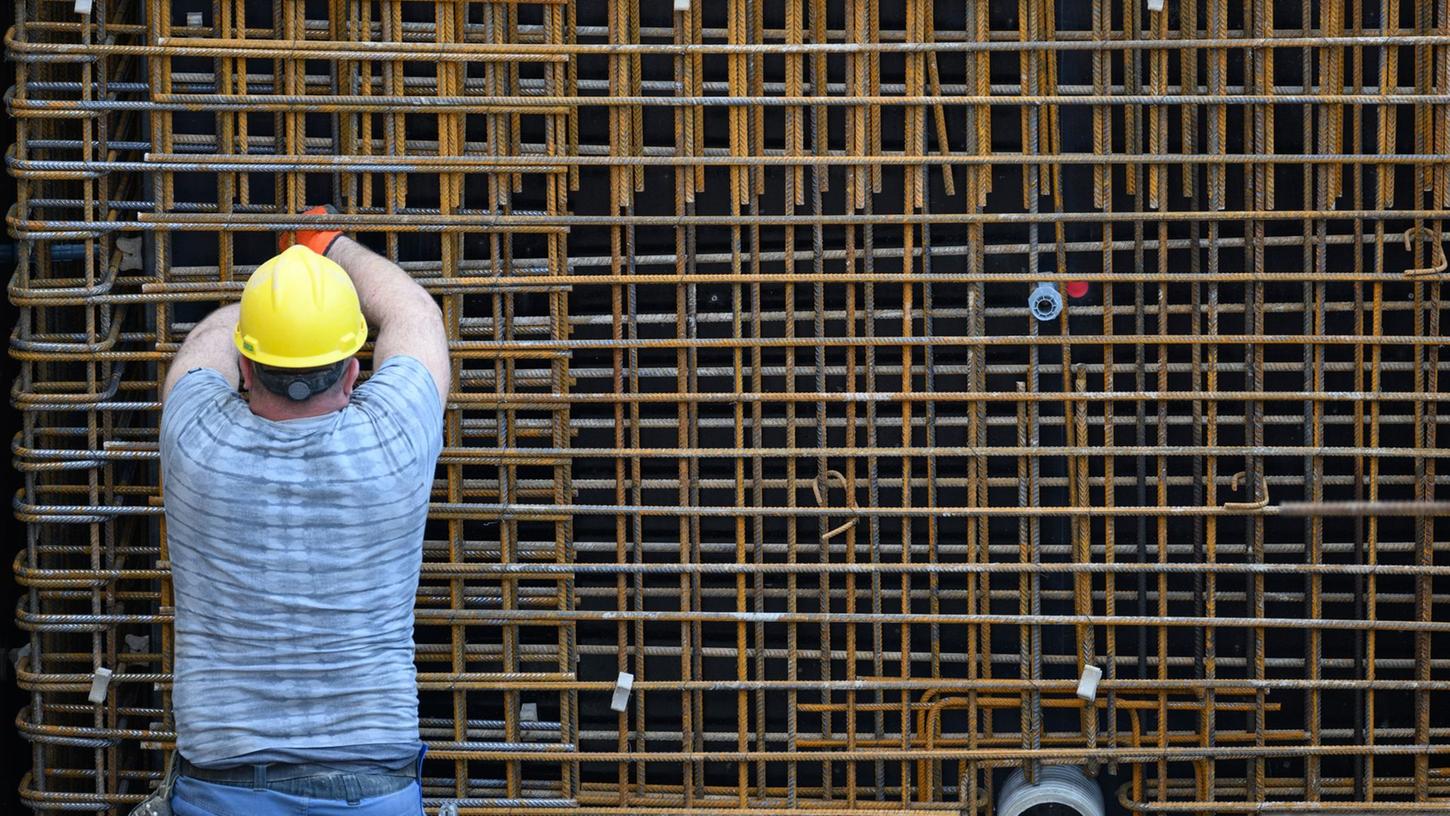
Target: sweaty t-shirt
<point>295,548</point>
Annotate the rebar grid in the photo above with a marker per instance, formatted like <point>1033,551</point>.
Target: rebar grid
<point>747,399</point>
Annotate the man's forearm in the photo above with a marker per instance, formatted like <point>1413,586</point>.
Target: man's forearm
<point>405,316</point>
<point>381,284</point>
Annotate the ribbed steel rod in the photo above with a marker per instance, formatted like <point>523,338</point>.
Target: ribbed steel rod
<point>752,401</point>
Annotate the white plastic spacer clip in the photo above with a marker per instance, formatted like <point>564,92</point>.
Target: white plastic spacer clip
<point>1087,685</point>
<point>138,643</point>
<point>130,253</point>
<point>196,19</point>
<point>99,683</point>
<point>682,5</point>
<point>622,686</point>
<point>529,712</point>
<point>1156,5</point>
<point>83,7</point>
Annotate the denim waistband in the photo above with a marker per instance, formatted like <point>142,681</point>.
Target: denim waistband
<point>258,775</point>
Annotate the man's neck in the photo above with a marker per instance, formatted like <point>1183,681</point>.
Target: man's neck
<point>280,410</point>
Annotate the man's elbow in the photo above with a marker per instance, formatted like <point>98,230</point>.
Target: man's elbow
<point>424,309</point>
<point>408,310</point>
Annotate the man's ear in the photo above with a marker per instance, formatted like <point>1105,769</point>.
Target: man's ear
<point>245,366</point>
<point>349,376</point>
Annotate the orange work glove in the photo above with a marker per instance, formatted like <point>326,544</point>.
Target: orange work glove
<point>316,240</point>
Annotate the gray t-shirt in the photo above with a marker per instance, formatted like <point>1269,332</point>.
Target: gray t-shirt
<point>295,548</point>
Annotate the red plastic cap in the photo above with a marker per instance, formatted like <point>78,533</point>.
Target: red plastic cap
<point>1076,289</point>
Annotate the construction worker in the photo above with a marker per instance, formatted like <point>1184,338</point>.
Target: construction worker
<point>294,521</point>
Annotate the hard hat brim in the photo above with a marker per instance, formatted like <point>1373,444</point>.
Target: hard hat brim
<point>279,361</point>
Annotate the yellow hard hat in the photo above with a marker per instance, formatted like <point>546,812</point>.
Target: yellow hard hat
<point>300,310</point>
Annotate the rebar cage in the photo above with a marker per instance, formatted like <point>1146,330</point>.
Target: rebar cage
<point>748,402</point>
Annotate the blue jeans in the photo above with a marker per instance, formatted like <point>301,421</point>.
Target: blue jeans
<point>312,791</point>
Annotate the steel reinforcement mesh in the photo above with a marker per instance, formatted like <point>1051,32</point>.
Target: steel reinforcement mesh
<point>748,401</point>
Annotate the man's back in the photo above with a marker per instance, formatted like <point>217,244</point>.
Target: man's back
<point>295,549</point>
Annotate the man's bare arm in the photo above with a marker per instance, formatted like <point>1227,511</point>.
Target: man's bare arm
<point>207,345</point>
<point>406,317</point>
